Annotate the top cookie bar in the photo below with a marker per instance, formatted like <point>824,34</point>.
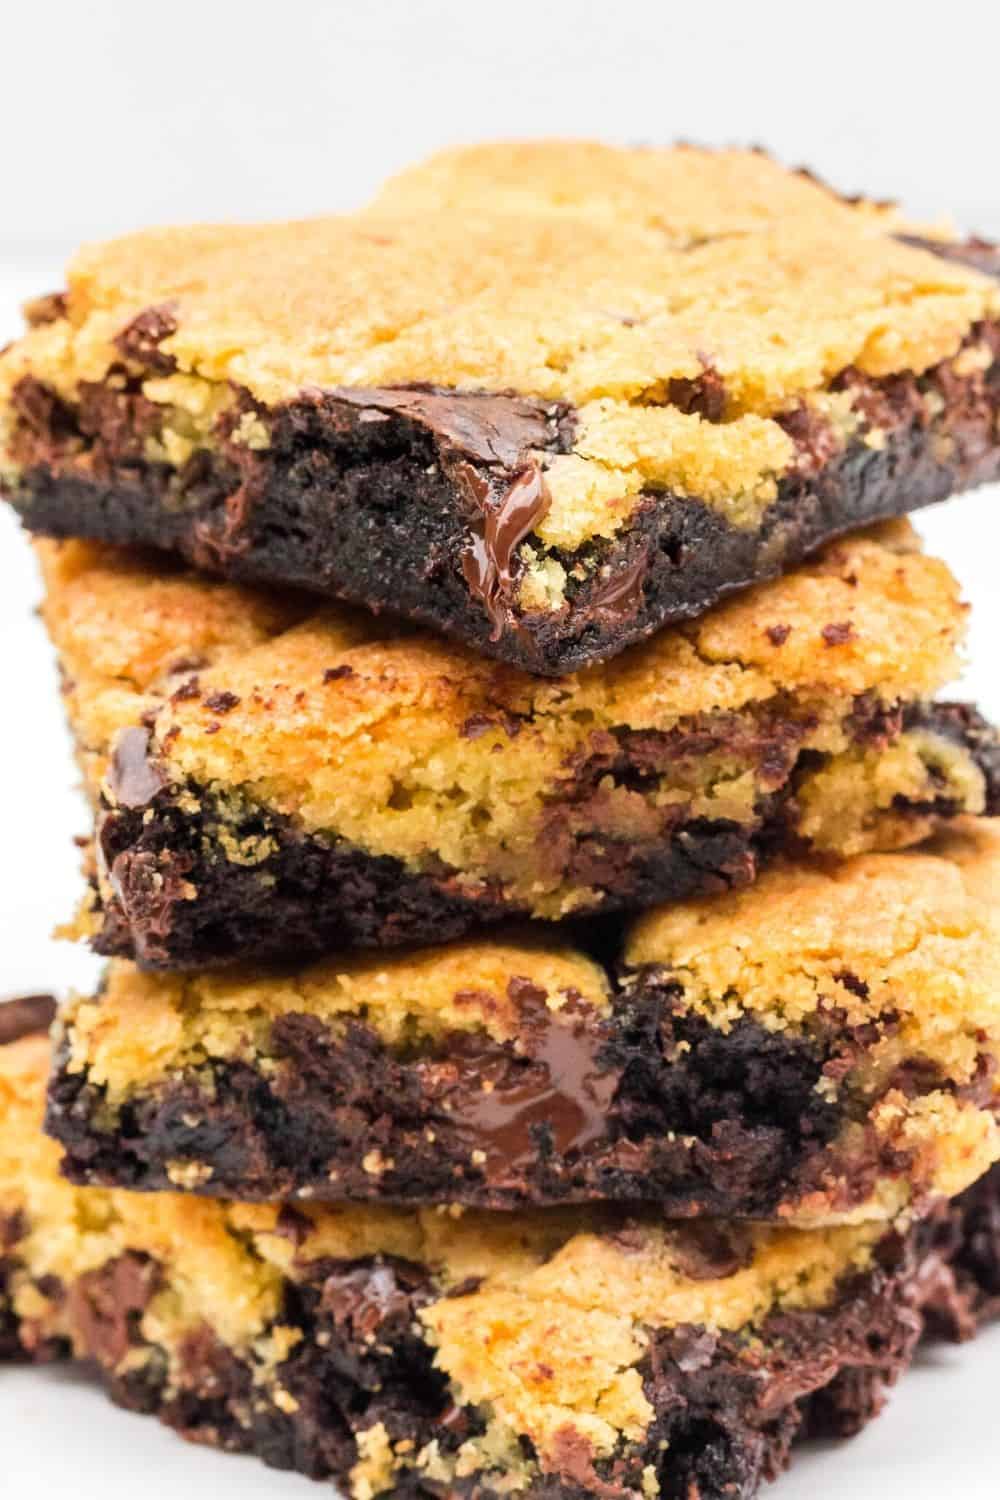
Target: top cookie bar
<point>544,398</point>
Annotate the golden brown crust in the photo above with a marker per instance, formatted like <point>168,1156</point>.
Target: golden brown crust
<point>144,1026</point>
<point>687,192</point>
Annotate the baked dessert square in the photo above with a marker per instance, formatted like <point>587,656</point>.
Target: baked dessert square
<point>821,1047</point>
<point>546,399</point>
<point>275,781</point>
<point>413,1351</point>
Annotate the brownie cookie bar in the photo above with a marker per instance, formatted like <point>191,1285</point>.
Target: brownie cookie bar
<point>562,1354</point>
<point>820,1048</point>
<point>276,782</point>
<point>545,399</point>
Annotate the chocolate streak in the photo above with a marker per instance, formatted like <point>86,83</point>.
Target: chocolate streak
<point>726,1409</point>
<point>177,901</point>
<point>416,500</point>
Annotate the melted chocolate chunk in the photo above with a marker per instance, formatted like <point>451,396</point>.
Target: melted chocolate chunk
<point>704,396</point>
<point>495,430</point>
<point>550,1092</point>
<point>711,1251</point>
<point>105,1306</point>
<point>140,341</point>
<point>134,778</point>
<point>488,562</point>
<point>25,1016</point>
<point>522,506</point>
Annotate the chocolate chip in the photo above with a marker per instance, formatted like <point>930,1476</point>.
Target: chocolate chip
<point>25,1016</point>
<point>553,1084</point>
<point>222,702</point>
<point>49,308</point>
<point>705,1251</point>
<point>140,340</point>
<point>838,634</point>
<point>778,634</point>
<point>104,1306</point>
<point>134,778</point>
<point>373,1296</point>
<point>704,396</point>
<point>478,724</point>
<point>293,1225</point>
<point>13,1229</point>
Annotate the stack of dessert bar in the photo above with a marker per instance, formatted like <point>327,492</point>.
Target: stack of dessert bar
<point>550,1039</point>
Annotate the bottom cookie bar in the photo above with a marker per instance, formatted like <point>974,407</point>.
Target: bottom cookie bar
<point>561,1353</point>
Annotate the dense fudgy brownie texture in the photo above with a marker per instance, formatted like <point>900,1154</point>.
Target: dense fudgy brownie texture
<point>179,903</point>
<point>727,1407</point>
<point>415,500</point>
<point>648,1103</point>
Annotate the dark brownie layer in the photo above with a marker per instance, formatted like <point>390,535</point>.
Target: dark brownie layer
<point>416,500</point>
<point>178,901</point>
<point>727,1408</point>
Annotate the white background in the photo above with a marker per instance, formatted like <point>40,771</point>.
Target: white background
<point>114,115</point>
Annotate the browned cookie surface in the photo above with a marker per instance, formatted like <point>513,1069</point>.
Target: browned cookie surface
<point>546,399</point>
